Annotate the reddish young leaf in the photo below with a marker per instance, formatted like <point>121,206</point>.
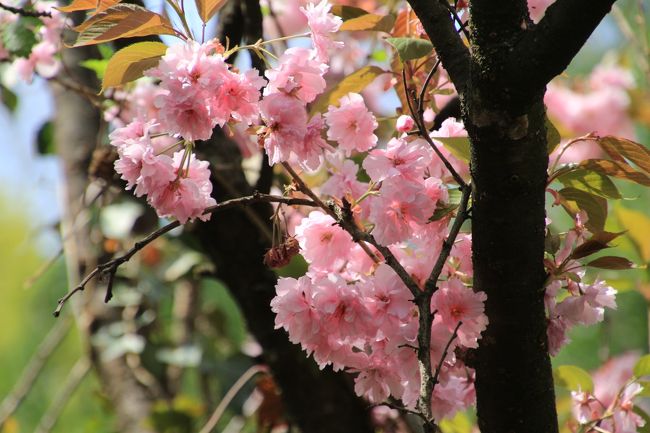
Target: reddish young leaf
<point>599,241</point>
<point>611,262</point>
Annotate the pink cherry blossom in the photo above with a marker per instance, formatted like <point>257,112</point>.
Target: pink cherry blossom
<point>237,97</point>
<point>378,380</point>
<point>294,309</point>
<point>556,332</point>
<point>351,124</point>
<point>449,128</point>
<point>310,152</point>
<point>299,74</point>
<point>286,125</point>
<point>400,206</point>
<point>322,23</point>
<point>188,195</point>
<point>188,117</point>
<point>537,8</point>
<point>457,303</point>
<point>402,158</point>
<point>404,123</point>
<point>343,178</point>
<point>323,243</point>
<point>588,307</point>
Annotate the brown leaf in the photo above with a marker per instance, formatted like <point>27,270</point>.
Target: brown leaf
<point>620,169</point>
<point>121,21</point>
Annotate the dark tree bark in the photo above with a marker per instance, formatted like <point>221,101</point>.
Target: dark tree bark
<point>501,81</point>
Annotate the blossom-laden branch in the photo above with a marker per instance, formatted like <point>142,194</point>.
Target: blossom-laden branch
<point>109,268</point>
<point>344,218</point>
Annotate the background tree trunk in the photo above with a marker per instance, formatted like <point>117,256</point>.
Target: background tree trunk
<point>76,134</point>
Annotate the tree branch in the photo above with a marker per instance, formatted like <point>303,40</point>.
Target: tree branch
<point>66,391</point>
<point>549,47</point>
<point>110,268</point>
<point>23,12</point>
<point>439,25</point>
<point>33,369</point>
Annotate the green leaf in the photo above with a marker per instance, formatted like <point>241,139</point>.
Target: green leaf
<point>591,182</point>
<point>411,48</point>
<point>45,139</point>
<point>572,378</point>
<point>611,262</point>
<point>642,367</point>
<point>19,36</point>
<point>353,83</point>
<point>551,242</point>
<point>458,146</point>
<point>618,148</point>
<point>619,169</point>
<point>369,22</point>
<point>96,65</point>
<point>553,137</point>
<point>8,98</point>
<point>646,418</point>
<point>129,63</point>
<point>573,200</point>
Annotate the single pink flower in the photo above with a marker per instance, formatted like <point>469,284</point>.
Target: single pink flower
<point>323,243</point>
<point>402,158</point>
<point>299,74</point>
<point>351,124</point>
<point>322,23</point>
<point>286,125</point>
<point>404,123</point>
<point>457,303</point>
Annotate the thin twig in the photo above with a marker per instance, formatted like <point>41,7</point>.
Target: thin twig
<point>399,407</point>
<point>423,91</point>
<point>109,268</point>
<point>33,369</point>
<point>444,355</point>
<point>66,391</point>
<point>448,243</point>
<point>25,13</point>
<point>230,395</point>
<point>461,25</point>
<point>418,117</point>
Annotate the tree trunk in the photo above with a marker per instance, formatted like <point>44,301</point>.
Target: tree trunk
<point>76,129</point>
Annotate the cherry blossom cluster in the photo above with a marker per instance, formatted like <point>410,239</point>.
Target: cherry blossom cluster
<point>42,58</point>
<point>357,315</point>
<point>610,407</point>
<point>198,90</point>
<point>569,300</point>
